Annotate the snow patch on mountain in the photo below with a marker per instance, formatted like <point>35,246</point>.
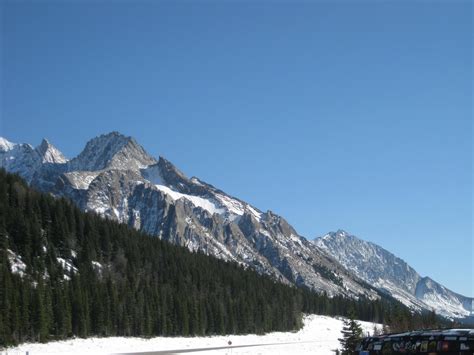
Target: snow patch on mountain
<point>81,180</point>
<point>254,212</point>
<point>235,207</point>
<point>400,294</point>
<point>195,200</point>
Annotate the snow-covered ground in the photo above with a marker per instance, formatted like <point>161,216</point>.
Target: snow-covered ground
<point>318,336</point>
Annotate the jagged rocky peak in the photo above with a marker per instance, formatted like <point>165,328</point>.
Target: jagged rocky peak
<point>20,158</point>
<point>339,239</point>
<point>112,151</point>
<point>339,234</point>
<point>6,145</point>
<point>248,223</point>
<point>49,153</point>
<point>277,222</point>
<point>342,233</point>
<point>166,173</point>
<point>172,177</point>
<point>370,261</point>
<point>170,173</point>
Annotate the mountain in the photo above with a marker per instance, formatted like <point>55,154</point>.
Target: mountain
<point>68,273</point>
<point>49,153</point>
<point>65,273</point>
<point>26,160</point>
<point>115,177</point>
<point>111,151</point>
<point>391,274</point>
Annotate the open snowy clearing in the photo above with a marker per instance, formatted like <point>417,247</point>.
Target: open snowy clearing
<point>318,336</point>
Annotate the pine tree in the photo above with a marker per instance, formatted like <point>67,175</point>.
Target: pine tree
<point>351,334</point>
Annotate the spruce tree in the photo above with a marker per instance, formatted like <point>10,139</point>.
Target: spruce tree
<point>351,334</point>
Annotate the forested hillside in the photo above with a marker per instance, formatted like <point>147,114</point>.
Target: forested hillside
<point>64,272</point>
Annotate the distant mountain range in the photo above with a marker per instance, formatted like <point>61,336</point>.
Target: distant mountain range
<point>115,177</point>
<point>391,274</point>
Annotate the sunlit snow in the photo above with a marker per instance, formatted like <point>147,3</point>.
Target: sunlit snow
<point>318,336</point>
<point>195,200</point>
<point>17,266</point>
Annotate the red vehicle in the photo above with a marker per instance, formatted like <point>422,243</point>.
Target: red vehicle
<point>428,342</point>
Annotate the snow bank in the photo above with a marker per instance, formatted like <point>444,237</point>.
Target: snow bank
<point>318,336</point>
<point>195,200</point>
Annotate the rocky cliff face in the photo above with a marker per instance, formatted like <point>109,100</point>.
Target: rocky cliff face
<point>116,178</point>
<point>391,274</point>
<point>27,161</point>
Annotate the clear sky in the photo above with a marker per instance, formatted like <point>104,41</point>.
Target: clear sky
<point>340,114</point>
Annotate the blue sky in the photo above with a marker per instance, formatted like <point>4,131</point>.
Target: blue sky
<point>346,114</point>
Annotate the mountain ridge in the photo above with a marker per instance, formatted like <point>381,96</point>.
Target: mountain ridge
<point>115,177</point>
<point>393,275</point>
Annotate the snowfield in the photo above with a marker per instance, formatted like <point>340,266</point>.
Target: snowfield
<point>318,336</point>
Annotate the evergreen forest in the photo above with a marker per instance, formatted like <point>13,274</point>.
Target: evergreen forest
<point>64,273</point>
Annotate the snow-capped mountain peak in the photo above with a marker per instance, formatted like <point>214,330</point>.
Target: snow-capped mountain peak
<point>340,234</point>
<point>393,275</point>
<point>6,145</point>
<point>19,158</point>
<point>49,153</point>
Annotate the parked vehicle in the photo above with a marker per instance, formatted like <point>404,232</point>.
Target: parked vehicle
<point>429,342</point>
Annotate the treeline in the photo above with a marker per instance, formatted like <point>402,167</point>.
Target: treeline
<point>82,275</point>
